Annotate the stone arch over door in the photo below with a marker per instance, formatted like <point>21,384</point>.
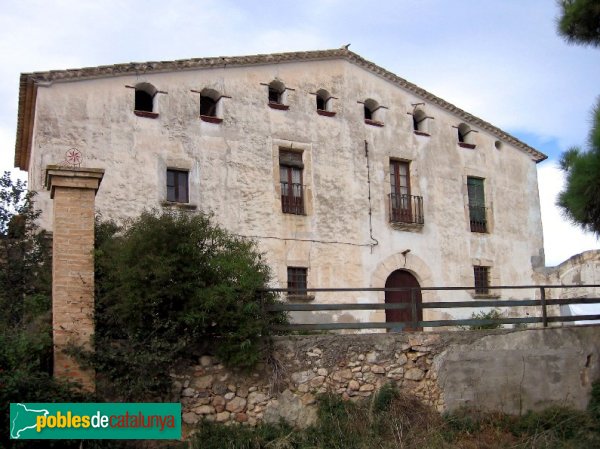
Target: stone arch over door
<point>412,298</point>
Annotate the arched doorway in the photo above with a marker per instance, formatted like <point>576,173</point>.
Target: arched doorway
<point>404,279</point>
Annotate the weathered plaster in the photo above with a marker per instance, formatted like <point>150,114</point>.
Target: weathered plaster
<point>233,171</point>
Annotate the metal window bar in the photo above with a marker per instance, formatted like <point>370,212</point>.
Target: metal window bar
<point>482,280</point>
<point>406,208</point>
<point>292,198</point>
<point>477,218</point>
<point>297,278</point>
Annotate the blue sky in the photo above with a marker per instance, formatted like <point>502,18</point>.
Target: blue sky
<point>501,61</point>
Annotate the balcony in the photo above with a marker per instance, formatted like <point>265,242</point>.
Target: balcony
<point>406,211</point>
<point>292,198</point>
<point>478,218</point>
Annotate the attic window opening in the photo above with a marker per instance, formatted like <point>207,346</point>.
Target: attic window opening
<point>277,95</point>
<point>274,95</point>
<point>209,106</point>
<point>465,136</point>
<point>323,99</point>
<point>144,100</point>
<point>419,119</point>
<point>372,112</point>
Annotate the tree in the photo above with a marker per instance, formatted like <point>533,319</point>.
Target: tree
<point>580,199</point>
<point>170,286</point>
<point>25,263</point>
<point>580,21</point>
<point>25,303</point>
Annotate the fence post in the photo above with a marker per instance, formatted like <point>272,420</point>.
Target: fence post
<point>413,303</point>
<point>544,310</point>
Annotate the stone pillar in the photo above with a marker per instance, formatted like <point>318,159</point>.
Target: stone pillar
<point>73,191</point>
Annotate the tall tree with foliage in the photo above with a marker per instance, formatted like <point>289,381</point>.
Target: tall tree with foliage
<point>170,286</point>
<point>580,199</point>
<point>579,22</point>
<point>24,254</point>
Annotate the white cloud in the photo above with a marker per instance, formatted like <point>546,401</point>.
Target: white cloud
<point>561,239</point>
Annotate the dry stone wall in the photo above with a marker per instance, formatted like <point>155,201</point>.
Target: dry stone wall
<point>506,370</point>
<point>304,367</point>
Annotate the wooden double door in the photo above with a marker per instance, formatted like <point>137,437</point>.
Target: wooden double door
<point>404,279</point>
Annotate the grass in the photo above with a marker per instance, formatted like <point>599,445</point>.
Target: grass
<point>392,420</point>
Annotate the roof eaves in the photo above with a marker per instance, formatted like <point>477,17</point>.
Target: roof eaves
<point>28,88</point>
<point>25,121</point>
<point>536,155</point>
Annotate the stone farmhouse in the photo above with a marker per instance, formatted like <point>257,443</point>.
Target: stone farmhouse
<point>345,174</point>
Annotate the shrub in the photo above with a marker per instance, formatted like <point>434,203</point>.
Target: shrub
<point>169,284</point>
<point>25,304</point>
<point>493,314</point>
<point>408,424</point>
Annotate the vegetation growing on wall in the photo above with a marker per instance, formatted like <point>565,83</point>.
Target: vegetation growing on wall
<point>171,285</point>
<point>392,420</point>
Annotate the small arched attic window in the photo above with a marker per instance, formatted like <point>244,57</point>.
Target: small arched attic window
<point>372,112</point>
<point>144,100</point>
<point>465,136</point>
<point>323,99</point>
<point>210,106</point>
<point>277,97</point>
<point>420,125</point>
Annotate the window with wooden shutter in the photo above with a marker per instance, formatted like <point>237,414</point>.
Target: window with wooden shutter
<point>290,176</point>
<point>477,209</point>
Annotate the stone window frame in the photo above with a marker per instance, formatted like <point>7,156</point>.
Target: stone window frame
<point>180,177</point>
<point>292,198</point>
<point>488,189</point>
<point>413,167</point>
<point>307,173</point>
<point>179,166</point>
<point>493,279</point>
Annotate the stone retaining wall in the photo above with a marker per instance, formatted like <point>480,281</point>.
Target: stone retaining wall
<point>505,370</point>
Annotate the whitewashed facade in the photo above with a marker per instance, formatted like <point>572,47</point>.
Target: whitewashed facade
<point>380,156</point>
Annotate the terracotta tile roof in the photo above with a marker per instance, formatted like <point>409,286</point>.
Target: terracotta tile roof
<point>29,81</point>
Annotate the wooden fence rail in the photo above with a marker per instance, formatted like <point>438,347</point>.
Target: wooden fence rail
<point>543,303</point>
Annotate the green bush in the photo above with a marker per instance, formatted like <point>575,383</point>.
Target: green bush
<point>172,285</point>
<point>25,305</point>
<point>493,314</point>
